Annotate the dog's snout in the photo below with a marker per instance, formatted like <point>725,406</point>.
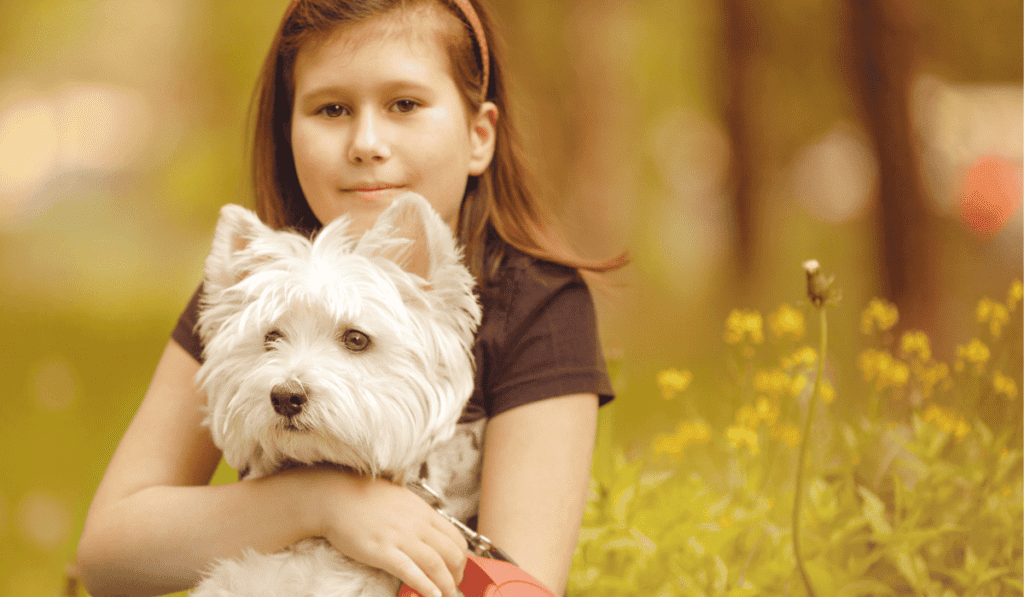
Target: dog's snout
<point>288,399</point>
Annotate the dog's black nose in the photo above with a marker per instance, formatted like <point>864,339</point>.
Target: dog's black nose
<point>288,399</point>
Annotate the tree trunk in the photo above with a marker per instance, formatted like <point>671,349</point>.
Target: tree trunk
<point>739,35</point>
<point>882,40</point>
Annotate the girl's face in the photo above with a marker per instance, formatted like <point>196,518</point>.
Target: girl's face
<point>377,114</point>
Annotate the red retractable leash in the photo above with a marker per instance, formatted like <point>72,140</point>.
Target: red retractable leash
<point>485,577</point>
<point>490,572</point>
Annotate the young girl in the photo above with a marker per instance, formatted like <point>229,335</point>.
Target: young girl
<point>358,102</point>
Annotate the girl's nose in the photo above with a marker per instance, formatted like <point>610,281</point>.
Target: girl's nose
<point>367,144</point>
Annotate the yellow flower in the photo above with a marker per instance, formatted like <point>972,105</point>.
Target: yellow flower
<point>806,355</point>
<point>767,410</point>
<point>984,310</point>
<point>788,434</point>
<point>698,432</point>
<point>828,394</point>
<point>747,417</point>
<point>797,385</point>
<point>672,381</point>
<point>667,444</point>
<point>1005,385</point>
<point>787,321</point>
<point>993,313</point>
<point>739,435</point>
<point>947,421</point>
<point>803,356</point>
<point>915,342</point>
<point>962,429</point>
<point>774,382</point>
<point>899,373</point>
<point>1014,295</point>
<point>974,352</point>
<point>930,376</point>
<point>688,433</point>
<point>1000,315</point>
<point>880,314</point>
<point>883,369</point>
<point>742,324</point>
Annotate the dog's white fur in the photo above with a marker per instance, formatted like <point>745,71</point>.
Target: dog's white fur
<point>379,411</point>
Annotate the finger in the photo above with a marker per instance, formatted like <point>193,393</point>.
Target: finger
<point>433,565</point>
<point>454,534</point>
<point>397,563</point>
<point>453,554</point>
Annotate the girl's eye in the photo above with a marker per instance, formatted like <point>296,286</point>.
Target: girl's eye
<point>355,340</point>
<point>269,340</point>
<point>332,111</point>
<point>405,106</point>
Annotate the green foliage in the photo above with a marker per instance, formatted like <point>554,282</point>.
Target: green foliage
<point>909,490</point>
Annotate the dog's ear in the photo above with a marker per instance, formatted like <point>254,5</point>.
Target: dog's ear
<point>410,234</point>
<point>230,260</point>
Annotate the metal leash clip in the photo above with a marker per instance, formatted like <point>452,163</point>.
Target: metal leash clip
<point>478,544</point>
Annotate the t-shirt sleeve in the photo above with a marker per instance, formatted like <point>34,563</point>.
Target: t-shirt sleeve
<point>185,332</point>
<point>551,345</point>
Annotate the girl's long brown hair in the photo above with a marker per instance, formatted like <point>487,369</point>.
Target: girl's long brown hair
<point>499,209</point>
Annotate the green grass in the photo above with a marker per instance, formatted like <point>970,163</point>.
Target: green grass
<point>913,471</point>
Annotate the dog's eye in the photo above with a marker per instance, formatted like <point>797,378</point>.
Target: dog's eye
<point>271,337</point>
<point>355,340</point>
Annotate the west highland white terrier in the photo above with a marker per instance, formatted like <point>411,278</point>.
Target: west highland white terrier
<point>349,350</point>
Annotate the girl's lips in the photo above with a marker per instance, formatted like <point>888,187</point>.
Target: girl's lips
<point>372,193</point>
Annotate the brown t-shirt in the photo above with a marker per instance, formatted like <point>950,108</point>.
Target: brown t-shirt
<point>537,339</point>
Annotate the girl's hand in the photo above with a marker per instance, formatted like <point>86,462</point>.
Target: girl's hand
<point>389,527</point>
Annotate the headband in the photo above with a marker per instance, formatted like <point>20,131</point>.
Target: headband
<point>478,32</point>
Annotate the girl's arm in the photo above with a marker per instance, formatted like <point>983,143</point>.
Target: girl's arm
<point>536,472</point>
<point>155,524</point>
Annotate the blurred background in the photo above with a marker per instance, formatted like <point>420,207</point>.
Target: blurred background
<point>722,142</point>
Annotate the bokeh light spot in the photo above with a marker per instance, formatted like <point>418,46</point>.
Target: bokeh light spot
<point>992,192</point>
<point>833,178</point>
<point>44,520</point>
<point>29,148</point>
<point>80,128</point>
<point>54,384</point>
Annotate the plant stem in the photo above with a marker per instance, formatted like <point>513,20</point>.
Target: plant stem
<point>804,446</point>
<point>875,400</point>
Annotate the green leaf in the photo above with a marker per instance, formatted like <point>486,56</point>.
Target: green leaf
<point>874,512</point>
<point>984,433</point>
<point>818,573</point>
<point>863,587</point>
<point>990,575</point>
<point>970,560</point>
<point>620,503</point>
<point>584,578</point>
<point>721,575</point>
<point>857,567</point>
<point>744,589</point>
<point>1006,464</point>
<point>912,567</point>
<point>849,438</point>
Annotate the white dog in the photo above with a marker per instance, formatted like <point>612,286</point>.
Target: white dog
<point>348,350</point>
